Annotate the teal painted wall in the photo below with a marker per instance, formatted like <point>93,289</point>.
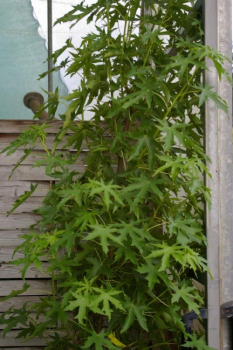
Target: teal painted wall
<point>22,59</point>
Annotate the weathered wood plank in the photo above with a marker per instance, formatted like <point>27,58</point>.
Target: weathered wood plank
<point>10,340</point>
<point>6,204</point>
<point>9,188</point>
<point>11,238</point>
<point>22,348</point>
<point>8,271</point>
<point>17,302</point>
<point>6,254</point>
<point>30,160</point>
<point>37,287</point>
<point>33,318</point>
<point>6,139</point>
<point>18,126</point>
<point>17,221</point>
<point>15,157</point>
<point>26,172</point>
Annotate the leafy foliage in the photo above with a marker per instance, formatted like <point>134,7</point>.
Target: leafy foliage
<point>130,225</point>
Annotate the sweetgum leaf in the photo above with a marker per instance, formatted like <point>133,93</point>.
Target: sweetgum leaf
<point>105,235</point>
<point>135,311</point>
<point>100,341</point>
<point>103,298</point>
<point>198,343</point>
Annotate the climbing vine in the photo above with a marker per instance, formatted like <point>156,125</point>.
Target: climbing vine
<point>124,236</point>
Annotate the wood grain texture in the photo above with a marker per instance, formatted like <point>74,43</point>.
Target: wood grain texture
<point>17,302</point>
<point>26,172</point>
<point>10,340</point>
<point>36,155</point>
<point>6,254</point>
<point>17,221</point>
<point>22,348</point>
<point>37,287</point>
<point>6,139</point>
<point>17,188</point>
<point>8,271</point>
<point>18,126</point>
<point>11,238</point>
<point>32,203</point>
<point>16,156</point>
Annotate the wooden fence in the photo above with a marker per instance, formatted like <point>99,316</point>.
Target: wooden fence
<point>12,227</point>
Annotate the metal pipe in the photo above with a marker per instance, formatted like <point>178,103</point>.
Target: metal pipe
<point>33,101</point>
<point>50,44</point>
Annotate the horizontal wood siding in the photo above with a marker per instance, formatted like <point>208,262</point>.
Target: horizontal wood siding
<point>17,224</point>
<point>10,341</point>
<point>17,188</point>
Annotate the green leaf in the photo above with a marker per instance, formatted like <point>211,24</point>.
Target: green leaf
<point>23,198</point>
<point>152,272</point>
<point>139,190</point>
<point>135,311</point>
<point>166,252</point>
<point>189,295</point>
<point>99,341</point>
<point>81,302</point>
<point>127,252</point>
<point>108,191</point>
<point>13,318</point>
<point>199,343</point>
<point>145,145</point>
<point>105,234</point>
<point>207,93</point>
<point>135,231</point>
<point>103,298</point>
<point>98,268</point>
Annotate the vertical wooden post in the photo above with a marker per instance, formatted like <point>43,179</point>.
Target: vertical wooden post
<point>218,140</point>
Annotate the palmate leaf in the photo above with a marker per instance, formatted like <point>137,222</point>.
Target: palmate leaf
<point>127,252</point>
<point>207,93</point>
<point>135,311</point>
<point>139,189</point>
<point>185,256</point>
<point>189,295</point>
<point>167,252</point>
<point>170,132</point>
<point>105,235</point>
<point>196,343</point>
<point>98,268</point>
<point>85,218</point>
<point>23,198</point>
<point>145,146</point>
<point>75,193</point>
<point>154,275</point>
<point>176,164</point>
<point>64,238</point>
<point>100,342</point>
<point>103,299</point>
<point>82,302</point>
<point>186,228</point>
<point>13,318</point>
<point>108,191</point>
<point>134,231</point>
